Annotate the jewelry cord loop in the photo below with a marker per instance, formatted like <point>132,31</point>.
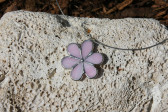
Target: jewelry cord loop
<point>100,43</point>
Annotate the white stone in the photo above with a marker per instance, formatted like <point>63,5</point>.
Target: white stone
<point>32,79</point>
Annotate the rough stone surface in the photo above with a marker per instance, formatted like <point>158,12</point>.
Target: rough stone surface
<point>32,79</point>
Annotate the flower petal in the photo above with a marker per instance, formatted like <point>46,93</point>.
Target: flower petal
<point>90,70</point>
<point>77,72</point>
<point>87,47</point>
<point>95,58</point>
<point>74,50</point>
<point>69,62</point>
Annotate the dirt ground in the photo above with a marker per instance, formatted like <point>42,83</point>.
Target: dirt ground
<point>112,9</point>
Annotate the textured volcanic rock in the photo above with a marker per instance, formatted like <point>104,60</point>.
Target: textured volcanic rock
<point>32,79</point>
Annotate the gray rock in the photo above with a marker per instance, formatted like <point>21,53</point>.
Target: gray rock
<point>32,79</point>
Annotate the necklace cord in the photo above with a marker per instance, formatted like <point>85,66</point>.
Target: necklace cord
<point>59,7</point>
<point>136,49</point>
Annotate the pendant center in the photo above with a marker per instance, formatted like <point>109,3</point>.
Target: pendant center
<point>82,60</point>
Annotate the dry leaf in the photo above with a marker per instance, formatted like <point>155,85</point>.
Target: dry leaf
<point>104,9</point>
<point>12,7</point>
<point>160,13</point>
<point>120,6</point>
<point>111,10</point>
<point>159,2</point>
<point>124,4</point>
<point>96,9</point>
<point>165,17</point>
<point>2,1</point>
<point>155,6</point>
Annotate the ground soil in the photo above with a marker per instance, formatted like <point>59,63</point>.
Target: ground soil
<point>113,9</point>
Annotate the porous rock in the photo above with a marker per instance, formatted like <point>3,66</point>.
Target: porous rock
<point>32,79</point>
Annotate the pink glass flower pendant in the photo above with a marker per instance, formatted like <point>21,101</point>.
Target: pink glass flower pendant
<point>82,60</point>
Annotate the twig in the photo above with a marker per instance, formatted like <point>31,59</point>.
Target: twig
<point>120,6</point>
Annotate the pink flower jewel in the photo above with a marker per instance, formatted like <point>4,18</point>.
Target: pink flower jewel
<point>82,60</point>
